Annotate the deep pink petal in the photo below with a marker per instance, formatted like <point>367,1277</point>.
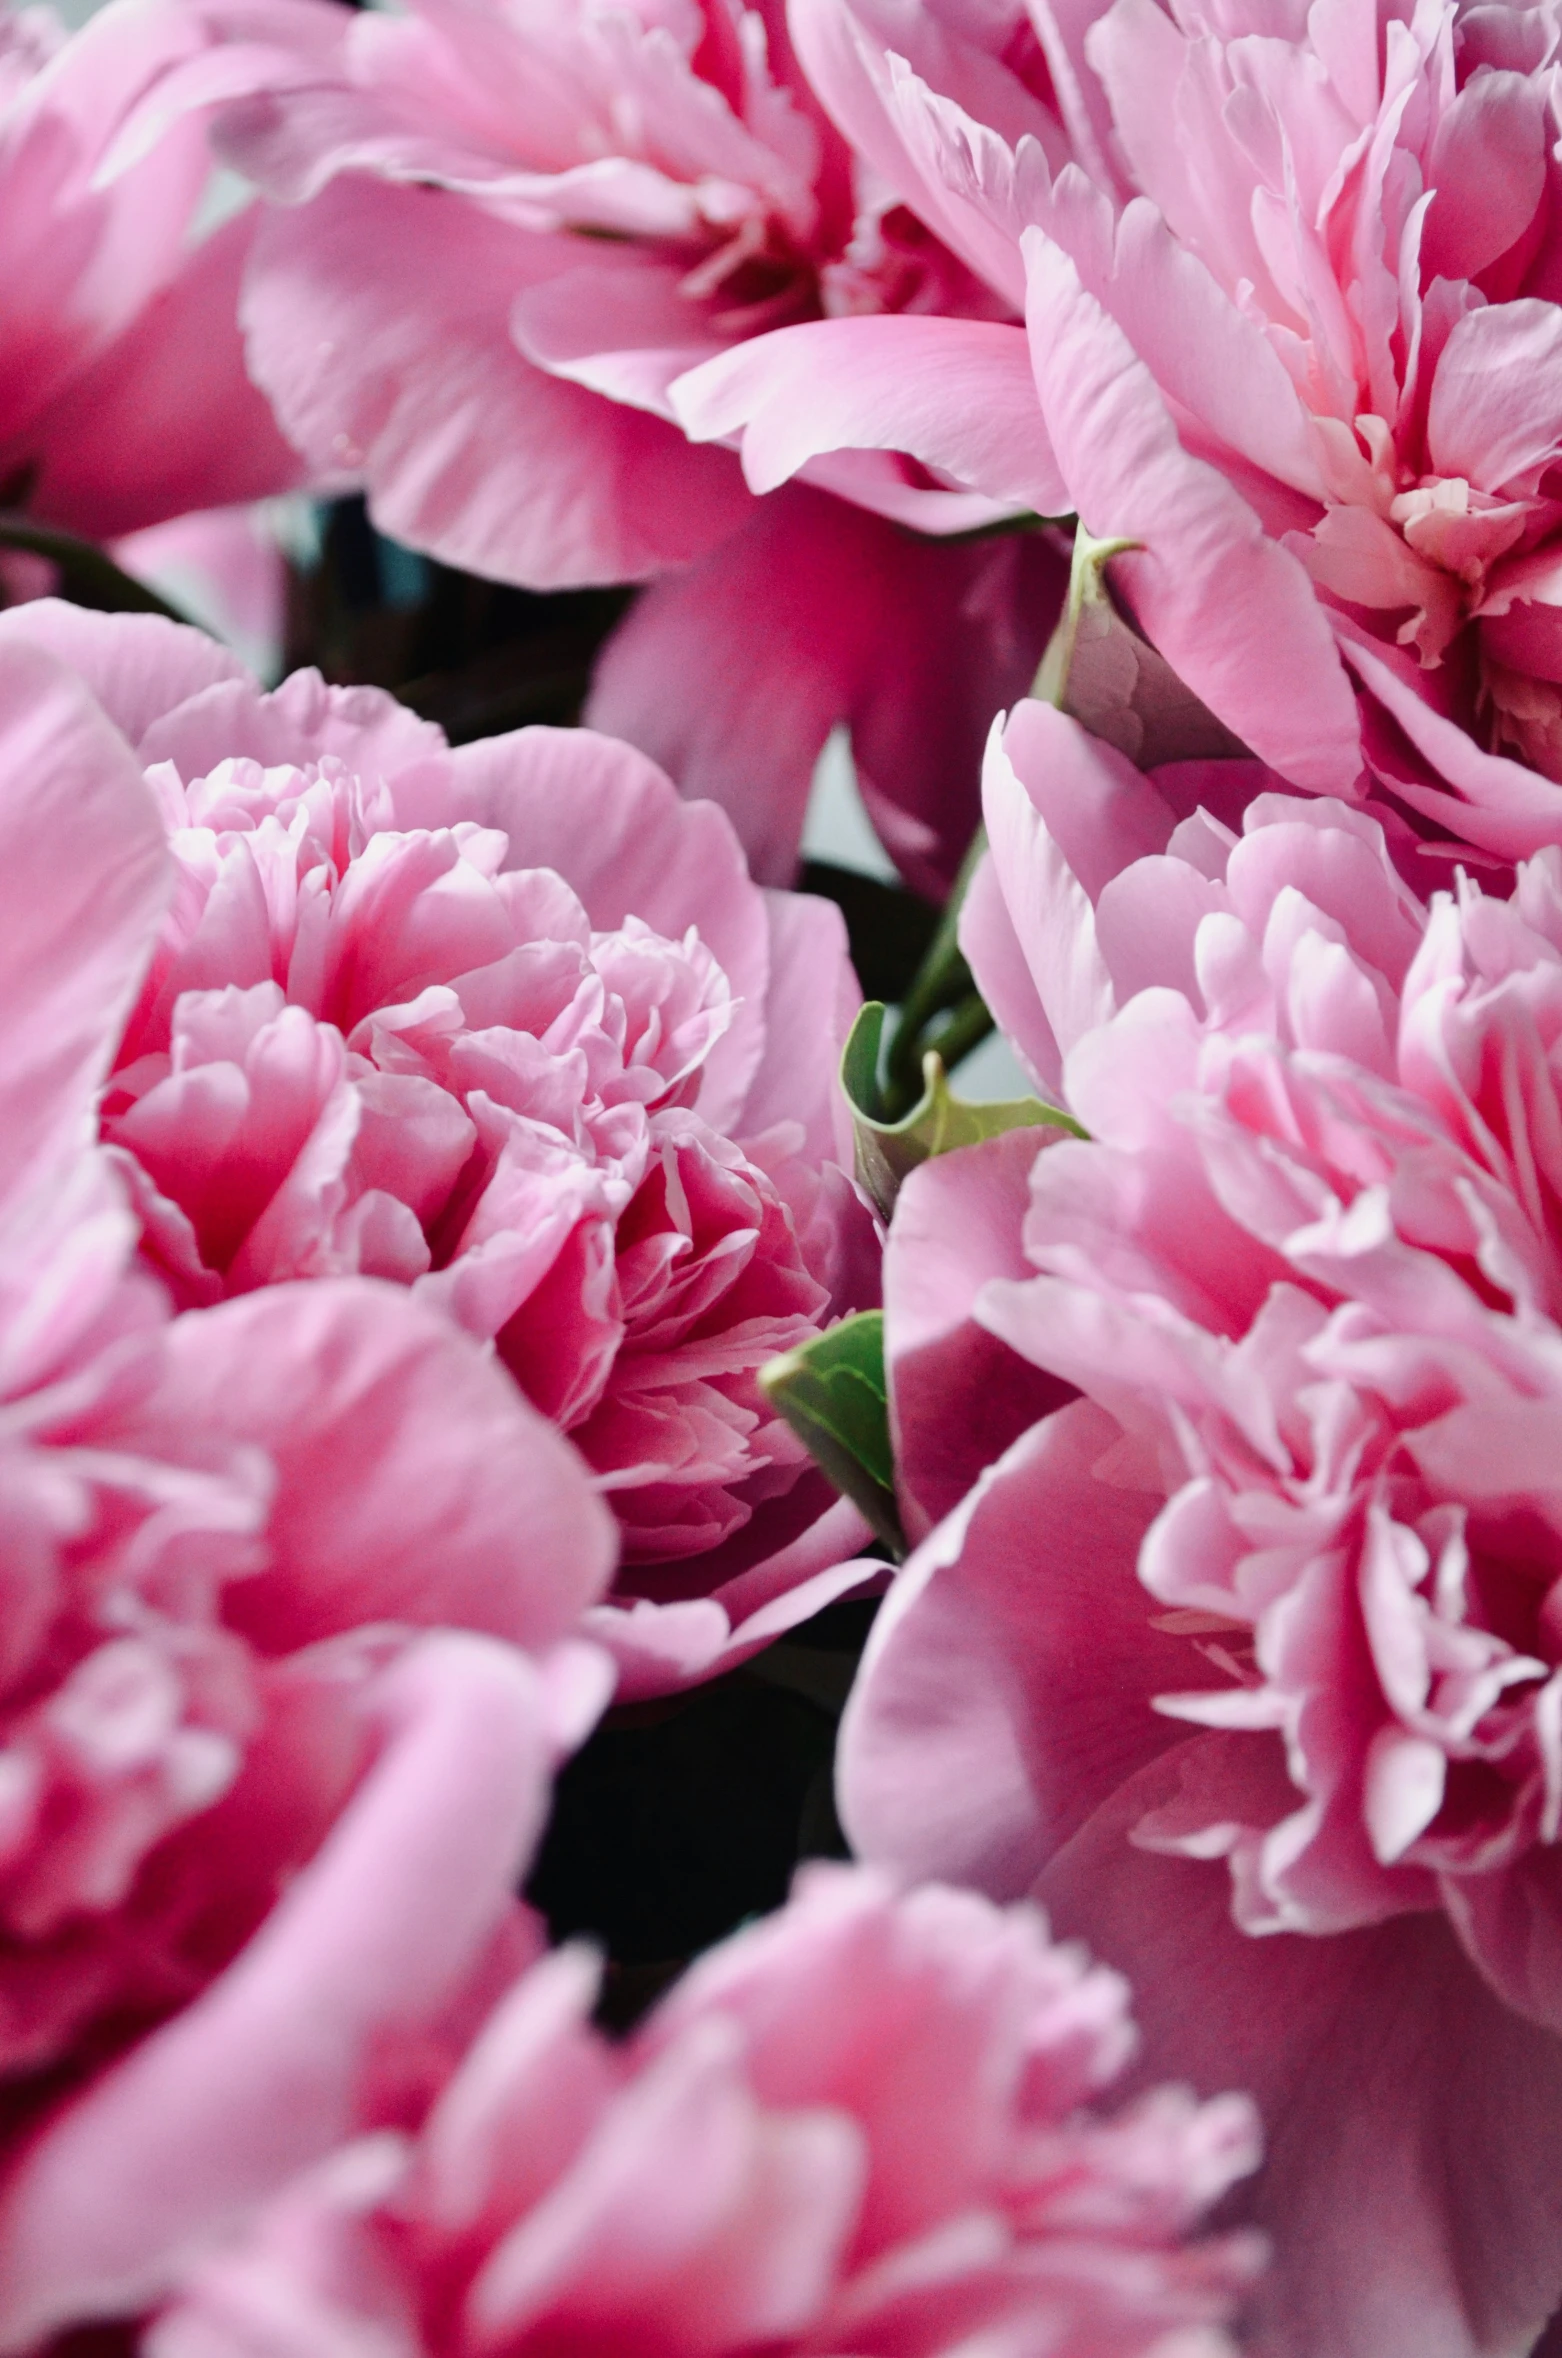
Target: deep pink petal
<point>1006,1687</point>
<point>733,673</point>
<point>1413,2186</point>
<point>166,419</point>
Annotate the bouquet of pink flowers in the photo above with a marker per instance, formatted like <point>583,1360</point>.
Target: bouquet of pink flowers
<point>781,1179</point>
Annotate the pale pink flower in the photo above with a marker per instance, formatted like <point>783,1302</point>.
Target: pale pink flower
<point>1293,329</point>
<point>1247,1660</point>
<point>497,234</point>
<point>869,2124</point>
<point>123,394</point>
<point>511,1026</point>
<point>257,1564</point>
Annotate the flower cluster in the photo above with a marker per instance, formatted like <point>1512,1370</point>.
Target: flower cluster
<point>443,1273</point>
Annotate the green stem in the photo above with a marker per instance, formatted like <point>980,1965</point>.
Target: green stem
<point>88,575</point>
<point>968,1026</point>
<point>943,980</point>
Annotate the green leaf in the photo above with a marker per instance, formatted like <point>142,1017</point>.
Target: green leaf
<point>832,1393</point>
<point>938,1122</point>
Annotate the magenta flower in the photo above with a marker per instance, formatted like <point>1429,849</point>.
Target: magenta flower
<point>1246,1658</point>
<point>859,2125</point>
<point>123,394</point>
<point>497,236</point>
<point>289,1584</point>
<point>1313,376</point>
<point>508,1025</point>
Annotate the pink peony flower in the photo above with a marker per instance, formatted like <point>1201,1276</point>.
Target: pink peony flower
<point>123,394</point>
<point>508,1025</point>
<point>1313,378</point>
<point>497,235</point>
<point>1245,1657</point>
<point>859,2125</point>
<point>260,1812</point>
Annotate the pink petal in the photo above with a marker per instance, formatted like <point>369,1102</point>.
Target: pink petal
<point>166,419</point>
<point>261,2075</point>
<point>1231,612</point>
<point>1488,166</point>
<point>1027,1592</point>
<point>136,665</point>
<point>996,957</point>
<point>1432,763</point>
<point>356,1393</point>
<point>958,1396</point>
<point>86,876</point>
<point>733,673</point>
<point>1495,415</point>
<point>1411,2121</point>
<point>606,818</point>
<point>955,393</point>
<point>810,1007</point>
<point>623,329</point>
<point>378,322</point>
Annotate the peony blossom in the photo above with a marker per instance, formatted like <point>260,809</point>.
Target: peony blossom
<point>123,394</point>
<point>1244,1654</point>
<point>1312,376</point>
<point>510,1026</point>
<point>497,234</point>
<point>861,2124</point>
<point>290,1585</point>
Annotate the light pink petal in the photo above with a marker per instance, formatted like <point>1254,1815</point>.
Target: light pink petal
<point>1209,358</point>
<point>810,1006</point>
<point>1049,906</point>
<point>1026,1596</point>
<point>1102,812</point>
<point>955,393</point>
<point>414,1483</point>
<point>300,722</point>
<point>1488,166</point>
<point>993,951</point>
<point>1495,415</point>
<point>137,665</point>
<point>606,818</point>
<point>166,419</point>
<point>958,1396</point>
<point>659,1649</point>
<point>894,86</point>
<point>378,322</point>
<point>260,2076</point>
<point>79,261</point>
<point>86,876</point>
<point>223,565</point>
<point>1413,2187</point>
<point>1232,613</point>
<point>694,2219</point>
<point>622,329</point>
